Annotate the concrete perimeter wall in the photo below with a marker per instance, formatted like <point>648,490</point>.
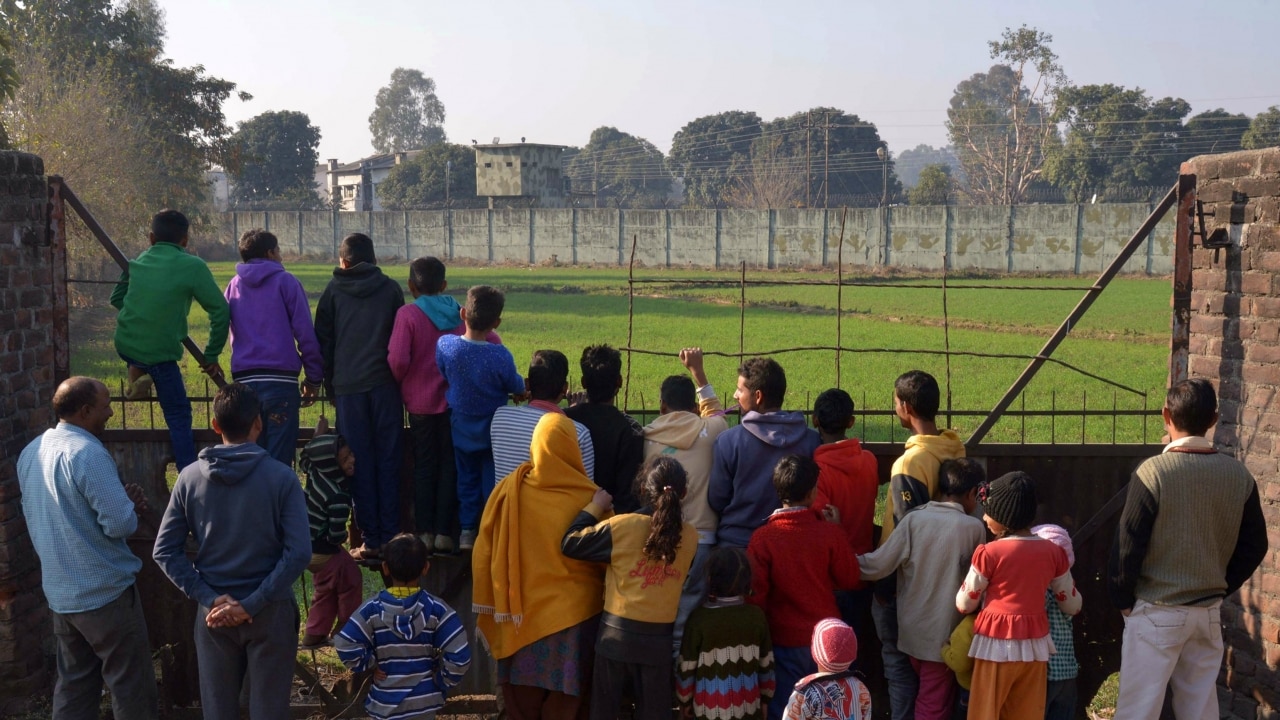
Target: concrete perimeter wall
<point>1077,239</point>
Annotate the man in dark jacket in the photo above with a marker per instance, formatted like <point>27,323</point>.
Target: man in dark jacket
<point>741,486</point>
<point>248,518</point>
<point>353,323</point>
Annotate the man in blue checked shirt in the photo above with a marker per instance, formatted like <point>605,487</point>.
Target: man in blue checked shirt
<point>79,514</point>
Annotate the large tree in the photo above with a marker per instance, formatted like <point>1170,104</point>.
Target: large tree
<point>407,115</point>
<point>1264,131</point>
<point>909,163</point>
<point>1001,122</point>
<point>834,155</point>
<point>131,131</point>
<point>1116,138</point>
<point>1214,131</point>
<point>622,170</point>
<point>8,83</point>
<point>934,187</point>
<point>711,151</point>
<point>420,183</point>
<point>275,155</point>
<point>768,182</point>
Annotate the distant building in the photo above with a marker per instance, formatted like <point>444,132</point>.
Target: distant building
<point>354,186</point>
<point>219,188</point>
<point>521,171</point>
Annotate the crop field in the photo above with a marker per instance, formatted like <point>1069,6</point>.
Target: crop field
<point>890,325</point>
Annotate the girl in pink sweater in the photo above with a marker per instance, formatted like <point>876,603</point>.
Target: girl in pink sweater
<point>1011,644</point>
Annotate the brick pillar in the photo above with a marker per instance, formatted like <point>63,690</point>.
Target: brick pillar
<point>27,340</point>
<point>1235,341</point>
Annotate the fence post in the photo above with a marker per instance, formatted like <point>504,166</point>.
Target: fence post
<point>337,228</point>
<point>490,235</point>
<point>299,233</point>
<point>532,257</point>
<point>667,213</point>
<point>448,230</point>
<point>573,235</point>
<point>826,233</point>
<point>719,221</point>
<point>1008,245</point>
<point>622,236</point>
<point>1079,235</point>
<point>771,262</point>
<point>408,254</point>
<point>948,237</point>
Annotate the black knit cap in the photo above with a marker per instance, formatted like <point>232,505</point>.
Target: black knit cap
<point>1011,501</point>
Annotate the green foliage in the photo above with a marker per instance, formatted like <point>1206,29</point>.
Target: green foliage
<point>934,187</point>
<point>711,151</point>
<point>1116,137</point>
<point>1002,122</point>
<point>407,115</point>
<point>1214,131</point>
<point>1264,131</point>
<point>846,144</point>
<point>624,170</point>
<point>419,183</point>
<point>275,155</point>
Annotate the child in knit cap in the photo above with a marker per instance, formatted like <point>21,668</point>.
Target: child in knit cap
<point>1011,645</point>
<point>834,692</point>
<point>1060,700</point>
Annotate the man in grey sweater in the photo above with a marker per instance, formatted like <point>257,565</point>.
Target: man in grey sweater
<point>247,515</point>
<point>1192,532</point>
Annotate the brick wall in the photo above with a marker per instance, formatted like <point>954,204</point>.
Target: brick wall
<point>28,270</point>
<point>1235,341</point>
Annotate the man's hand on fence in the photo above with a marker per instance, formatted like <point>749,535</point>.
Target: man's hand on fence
<point>213,370</point>
<point>309,394</point>
<point>691,358</point>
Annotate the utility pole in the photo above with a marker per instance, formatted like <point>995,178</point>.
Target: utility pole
<point>448,170</point>
<point>826,160</point>
<point>808,161</point>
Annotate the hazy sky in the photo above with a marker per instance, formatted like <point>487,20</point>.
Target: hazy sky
<point>554,70</point>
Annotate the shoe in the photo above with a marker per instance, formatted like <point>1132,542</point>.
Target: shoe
<point>467,540</point>
<point>140,389</point>
<point>429,540</point>
<point>444,544</point>
<point>314,642</point>
<point>364,552</point>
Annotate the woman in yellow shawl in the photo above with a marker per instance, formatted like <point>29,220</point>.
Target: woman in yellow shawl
<point>538,609</point>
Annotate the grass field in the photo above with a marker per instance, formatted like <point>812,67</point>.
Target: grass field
<point>1124,338</point>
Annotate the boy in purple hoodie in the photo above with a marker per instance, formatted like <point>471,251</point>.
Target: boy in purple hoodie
<point>741,485</point>
<point>272,339</point>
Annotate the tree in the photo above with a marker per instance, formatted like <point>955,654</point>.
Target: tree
<point>407,115</point>
<point>1214,131</point>
<point>711,151</point>
<point>8,82</point>
<point>276,155</point>
<point>934,187</point>
<point>625,170</point>
<point>909,163</point>
<point>1001,122</point>
<point>1264,131</point>
<point>420,182</point>
<point>833,151</point>
<point>1116,137</point>
<point>768,182</point>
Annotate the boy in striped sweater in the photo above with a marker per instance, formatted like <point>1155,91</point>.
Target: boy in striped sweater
<point>327,461</point>
<point>415,644</point>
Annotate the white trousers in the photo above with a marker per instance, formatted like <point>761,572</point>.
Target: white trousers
<point>1168,645</point>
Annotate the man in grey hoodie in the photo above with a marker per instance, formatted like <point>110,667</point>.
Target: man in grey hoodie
<point>741,486</point>
<point>247,515</point>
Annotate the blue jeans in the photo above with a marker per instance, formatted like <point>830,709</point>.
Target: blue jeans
<point>473,453</point>
<point>900,677</point>
<point>791,665</point>
<point>280,404</point>
<point>171,391</point>
<point>372,423</point>
<point>694,592</point>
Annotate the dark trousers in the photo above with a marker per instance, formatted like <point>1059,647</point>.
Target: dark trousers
<point>262,650</point>
<point>1060,700</point>
<point>372,423</point>
<point>435,474</point>
<point>280,404</point>
<point>105,645</point>
<point>171,391</point>
<point>650,685</point>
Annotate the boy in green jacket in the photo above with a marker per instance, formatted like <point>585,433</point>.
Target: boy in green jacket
<point>154,296</point>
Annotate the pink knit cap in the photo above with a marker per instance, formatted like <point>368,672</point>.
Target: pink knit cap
<point>1057,535</point>
<point>835,646</point>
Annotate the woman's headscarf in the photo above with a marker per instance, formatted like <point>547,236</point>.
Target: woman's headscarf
<point>524,588</point>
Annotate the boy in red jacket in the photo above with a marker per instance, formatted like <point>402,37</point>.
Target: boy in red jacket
<point>798,562</point>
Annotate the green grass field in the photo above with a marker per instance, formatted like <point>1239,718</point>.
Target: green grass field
<point>1124,338</point>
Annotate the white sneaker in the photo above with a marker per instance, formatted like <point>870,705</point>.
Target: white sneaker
<point>467,540</point>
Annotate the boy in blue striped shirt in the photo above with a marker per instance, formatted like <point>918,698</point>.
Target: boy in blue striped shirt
<point>415,644</point>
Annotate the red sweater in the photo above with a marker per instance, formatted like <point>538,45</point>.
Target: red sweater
<point>849,479</point>
<point>798,561</point>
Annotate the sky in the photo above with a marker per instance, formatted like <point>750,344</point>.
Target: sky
<point>551,71</point>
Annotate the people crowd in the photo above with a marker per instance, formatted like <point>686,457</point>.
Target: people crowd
<point>694,565</point>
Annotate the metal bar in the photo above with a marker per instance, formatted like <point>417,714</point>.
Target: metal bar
<point>55,220</point>
<point>1074,318</point>
<point>116,254</point>
<point>862,283</point>
<point>1113,506</point>
<point>1180,334</point>
<point>742,314</point>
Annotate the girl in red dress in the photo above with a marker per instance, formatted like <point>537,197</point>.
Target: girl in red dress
<point>1011,644</point>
